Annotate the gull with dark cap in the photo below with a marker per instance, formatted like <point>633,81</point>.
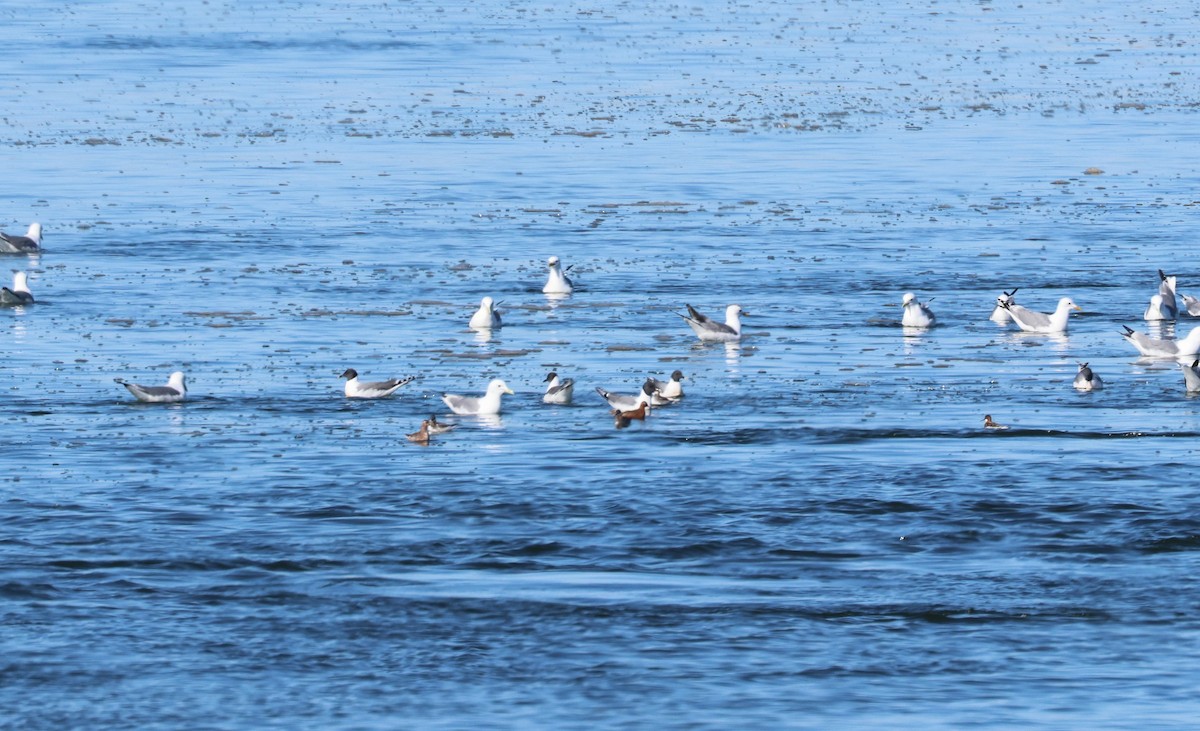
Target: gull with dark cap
<point>173,392</point>
<point>668,391</point>
<point>1087,380</point>
<point>558,390</point>
<point>708,329</point>
<point>30,243</point>
<point>622,402</point>
<point>371,389</point>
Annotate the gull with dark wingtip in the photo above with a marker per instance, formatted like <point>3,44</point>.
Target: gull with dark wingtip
<point>1038,322</point>
<point>1163,305</point>
<point>1087,380</point>
<point>916,314</point>
<point>371,389</point>
<point>628,403</point>
<point>1001,315</point>
<point>668,391</point>
<point>173,392</point>
<point>708,329</point>
<point>1160,348</point>
<point>30,243</point>
<point>558,390</point>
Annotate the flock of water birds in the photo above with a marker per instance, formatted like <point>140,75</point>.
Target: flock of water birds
<point>625,409</point>
<point>559,391</point>
<point>1163,307</point>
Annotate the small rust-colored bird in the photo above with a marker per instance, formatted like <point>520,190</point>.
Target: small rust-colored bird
<point>622,418</point>
<point>421,436</point>
<point>989,424</point>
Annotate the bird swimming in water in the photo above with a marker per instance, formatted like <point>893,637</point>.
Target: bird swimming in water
<point>558,390</point>
<point>916,314</point>
<point>371,389</point>
<point>628,403</point>
<point>173,392</point>
<point>436,427</point>
<point>622,419</point>
<point>1000,314</point>
<point>486,405</point>
<point>19,294</point>
<point>421,436</point>
<point>486,317</point>
<point>1160,348</point>
<point>989,424</point>
<point>1038,322</point>
<point>1163,305</point>
<point>709,330</point>
<point>668,391</point>
<point>30,243</point>
<point>557,281</point>
<point>1086,380</point>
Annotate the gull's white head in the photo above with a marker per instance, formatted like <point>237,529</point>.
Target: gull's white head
<point>552,262</point>
<point>497,387</point>
<point>1066,303</point>
<point>733,311</point>
<point>176,381</point>
<point>486,303</point>
<point>20,282</point>
<point>35,232</point>
<point>908,297</point>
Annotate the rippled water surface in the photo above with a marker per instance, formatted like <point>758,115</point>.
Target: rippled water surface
<point>819,535</point>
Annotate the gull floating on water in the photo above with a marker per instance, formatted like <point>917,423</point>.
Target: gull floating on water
<point>1156,348</point>
<point>175,390</point>
<point>557,281</point>
<point>1038,322</point>
<point>708,329</point>
<point>558,390</point>
<point>1162,305</point>
<point>371,389</point>
<point>30,243</point>
<point>999,313</point>
<point>1087,380</point>
<point>435,427</point>
<point>1191,304</point>
<point>916,314</point>
<point>628,403</point>
<point>485,405</point>
<point>1191,376</point>
<point>989,424</point>
<point>668,391</point>
<point>623,418</point>
<point>486,317</point>
<point>19,294</point>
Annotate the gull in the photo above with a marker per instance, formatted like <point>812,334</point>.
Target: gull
<point>371,389</point>
<point>557,282</point>
<point>1191,304</point>
<point>1037,322</point>
<point>485,405</point>
<point>420,436</point>
<point>915,313</point>
<point>486,317</point>
<point>989,424</point>
<point>1191,376</point>
<point>1156,348</point>
<point>999,314</point>
<point>175,390</point>
<point>668,391</point>
<point>19,294</point>
<point>435,427</point>
<point>1086,380</point>
<point>559,390</point>
<point>623,418</point>
<point>711,330</point>
<point>1162,305</point>
<point>30,243</point>
<point>627,403</point>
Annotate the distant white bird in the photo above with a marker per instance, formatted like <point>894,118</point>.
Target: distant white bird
<point>1191,376</point>
<point>175,390</point>
<point>916,314</point>
<point>558,390</point>
<point>1158,348</point>
<point>371,389</point>
<point>1037,322</point>
<point>989,424</point>
<point>668,391</point>
<point>999,314</point>
<point>486,405</point>
<point>1087,380</point>
<point>30,243</point>
<point>1163,305</point>
<point>19,294</point>
<point>486,317</point>
<point>1191,304</point>
<point>628,403</point>
<point>710,330</point>
<point>557,281</point>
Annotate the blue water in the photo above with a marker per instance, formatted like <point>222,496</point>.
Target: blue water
<point>821,535</point>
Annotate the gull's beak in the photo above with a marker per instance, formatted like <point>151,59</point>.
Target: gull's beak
<point>1079,308</point>
<point>509,391</point>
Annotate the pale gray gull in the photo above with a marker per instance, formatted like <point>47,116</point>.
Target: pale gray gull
<point>1191,376</point>
<point>486,317</point>
<point>30,243</point>
<point>175,390</point>
<point>628,403</point>
<point>19,294</point>
<point>916,314</point>
<point>371,389</point>
<point>557,281</point>
<point>1038,322</point>
<point>999,313</point>
<point>1157,348</point>
<point>486,405</point>
<point>558,390</point>
<point>1163,305</point>
<point>668,391</point>
<point>710,330</point>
